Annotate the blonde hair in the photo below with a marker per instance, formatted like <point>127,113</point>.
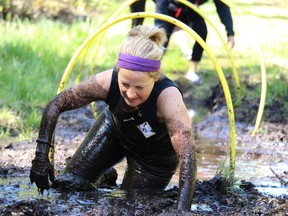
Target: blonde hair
<point>145,41</point>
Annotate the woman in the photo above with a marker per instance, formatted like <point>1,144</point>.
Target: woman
<point>145,121</point>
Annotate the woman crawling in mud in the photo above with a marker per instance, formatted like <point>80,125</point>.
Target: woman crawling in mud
<point>145,122</point>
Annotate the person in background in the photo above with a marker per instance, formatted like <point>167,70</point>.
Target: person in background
<point>197,23</point>
<point>146,122</point>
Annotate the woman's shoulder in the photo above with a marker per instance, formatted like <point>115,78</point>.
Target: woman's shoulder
<point>164,82</point>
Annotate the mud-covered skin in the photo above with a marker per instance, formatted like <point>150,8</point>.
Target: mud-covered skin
<point>75,97</point>
<point>188,164</point>
<point>41,168</point>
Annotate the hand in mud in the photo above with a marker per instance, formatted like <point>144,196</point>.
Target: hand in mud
<point>40,171</point>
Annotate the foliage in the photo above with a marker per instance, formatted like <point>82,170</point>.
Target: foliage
<point>64,10</point>
<point>34,55</point>
<point>9,122</point>
<point>225,181</point>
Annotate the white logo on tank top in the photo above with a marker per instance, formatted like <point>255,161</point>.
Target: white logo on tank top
<point>129,119</point>
<point>146,129</point>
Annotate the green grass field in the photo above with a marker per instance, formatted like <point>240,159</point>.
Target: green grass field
<point>34,55</point>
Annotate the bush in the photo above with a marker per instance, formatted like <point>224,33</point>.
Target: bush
<point>64,10</point>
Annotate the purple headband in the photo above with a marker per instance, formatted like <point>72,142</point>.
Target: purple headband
<point>135,63</point>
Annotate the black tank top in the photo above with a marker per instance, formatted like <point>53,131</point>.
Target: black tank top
<point>144,136</point>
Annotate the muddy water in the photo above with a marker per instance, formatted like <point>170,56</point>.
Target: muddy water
<point>211,154</point>
<point>212,151</point>
<point>257,161</point>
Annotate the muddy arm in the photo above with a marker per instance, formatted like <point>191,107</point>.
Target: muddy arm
<point>183,143</point>
<point>187,178</point>
<point>77,96</point>
<point>172,110</point>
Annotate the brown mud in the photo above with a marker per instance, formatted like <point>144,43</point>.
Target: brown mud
<point>213,196</point>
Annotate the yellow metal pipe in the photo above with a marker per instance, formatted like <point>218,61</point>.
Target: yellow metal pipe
<point>192,33</point>
<point>263,93</point>
<point>79,71</point>
<point>263,79</point>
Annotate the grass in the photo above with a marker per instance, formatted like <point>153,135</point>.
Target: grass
<point>34,55</point>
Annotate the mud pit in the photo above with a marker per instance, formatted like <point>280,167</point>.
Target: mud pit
<point>261,167</point>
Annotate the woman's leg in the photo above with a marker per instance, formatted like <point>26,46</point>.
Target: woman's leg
<point>98,152</point>
<point>138,6</point>
<point>162,8</point>
<point>200,27</point>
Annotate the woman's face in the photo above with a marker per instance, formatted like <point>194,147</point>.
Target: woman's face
<point>135,87</point>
